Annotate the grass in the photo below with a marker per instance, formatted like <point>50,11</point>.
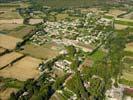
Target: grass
<point>10,15</point>
<point>108,17</point>
<point>128,76</point>
<point>67,3</point>
<point>128,53</point>
<point>8,5</point>
<point>129,47</point>
<point>61,16</point>
<point>98,55</point>
<point>11,83</point>
<point>124,22</point>
<point>126,82</point>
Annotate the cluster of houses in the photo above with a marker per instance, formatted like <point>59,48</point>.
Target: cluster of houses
<point>68,29</point>
<point>39,38</point>
<point>63,65</point>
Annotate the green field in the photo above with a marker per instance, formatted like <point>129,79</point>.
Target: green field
<point>68,3</point>
<point>124,22</point>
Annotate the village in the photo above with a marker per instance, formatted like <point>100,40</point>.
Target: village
<point>47,57</point>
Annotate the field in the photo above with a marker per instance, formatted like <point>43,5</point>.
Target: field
<point>39,51</point>
<point>128,76</point>
<point>129,47</point>
<point>21,32</point>
<point>2,50</point>
<point>23,69</point>
<point>9,15</point>
<point>9,27</point>
<point>35,21</point>
<point>120,27</point>
<point>9,58</point>
<point>123,21</point>
<point>8,42</point>
<point>8,10</point>
<point>5,94</point>
<point>115,12</point>
<point>11,21</point>
<point>61,16</point>
<point>128,16</point>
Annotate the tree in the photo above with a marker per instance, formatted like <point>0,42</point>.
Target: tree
<point>13,96</point>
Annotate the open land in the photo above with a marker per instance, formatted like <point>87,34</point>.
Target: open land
<point>58,48</point>
<point>39,51</point>
<point>23,69</point>
<point>8,42</point>
<point>21,32</point>
<point>129,47</point>
<point>2,50</point>
<point>9,58</point>
<point>5,94</point>
<point>9,27</point>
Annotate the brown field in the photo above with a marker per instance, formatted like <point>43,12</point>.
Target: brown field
<point>128,16</point>
<point>21,32</point>
<point>9,26</point>
<point>22,70</point>
<point>10,15</point>
<point>39,51</point>
<point>58,72</point>
<point>2,50</point>
<point>9,58</point>
<point>129,47</point>
<point>87,63</point>
<point>11,21</point>
<point>5,94</point>
<point>115,12</point>
<point>8,42</point>
<point>120,27</point>
<point>35,21</point>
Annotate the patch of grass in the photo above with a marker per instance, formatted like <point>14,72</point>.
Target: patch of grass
<point>128,53</point>
<point>61,16</point>
<point>98,55</point>
<point>126,82</point>
<point>9,5</point>
<point>108,17</point>
<point>124,22</point>
<point>11,83</point>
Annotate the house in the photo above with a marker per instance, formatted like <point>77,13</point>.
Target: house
<point>114,93</point>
